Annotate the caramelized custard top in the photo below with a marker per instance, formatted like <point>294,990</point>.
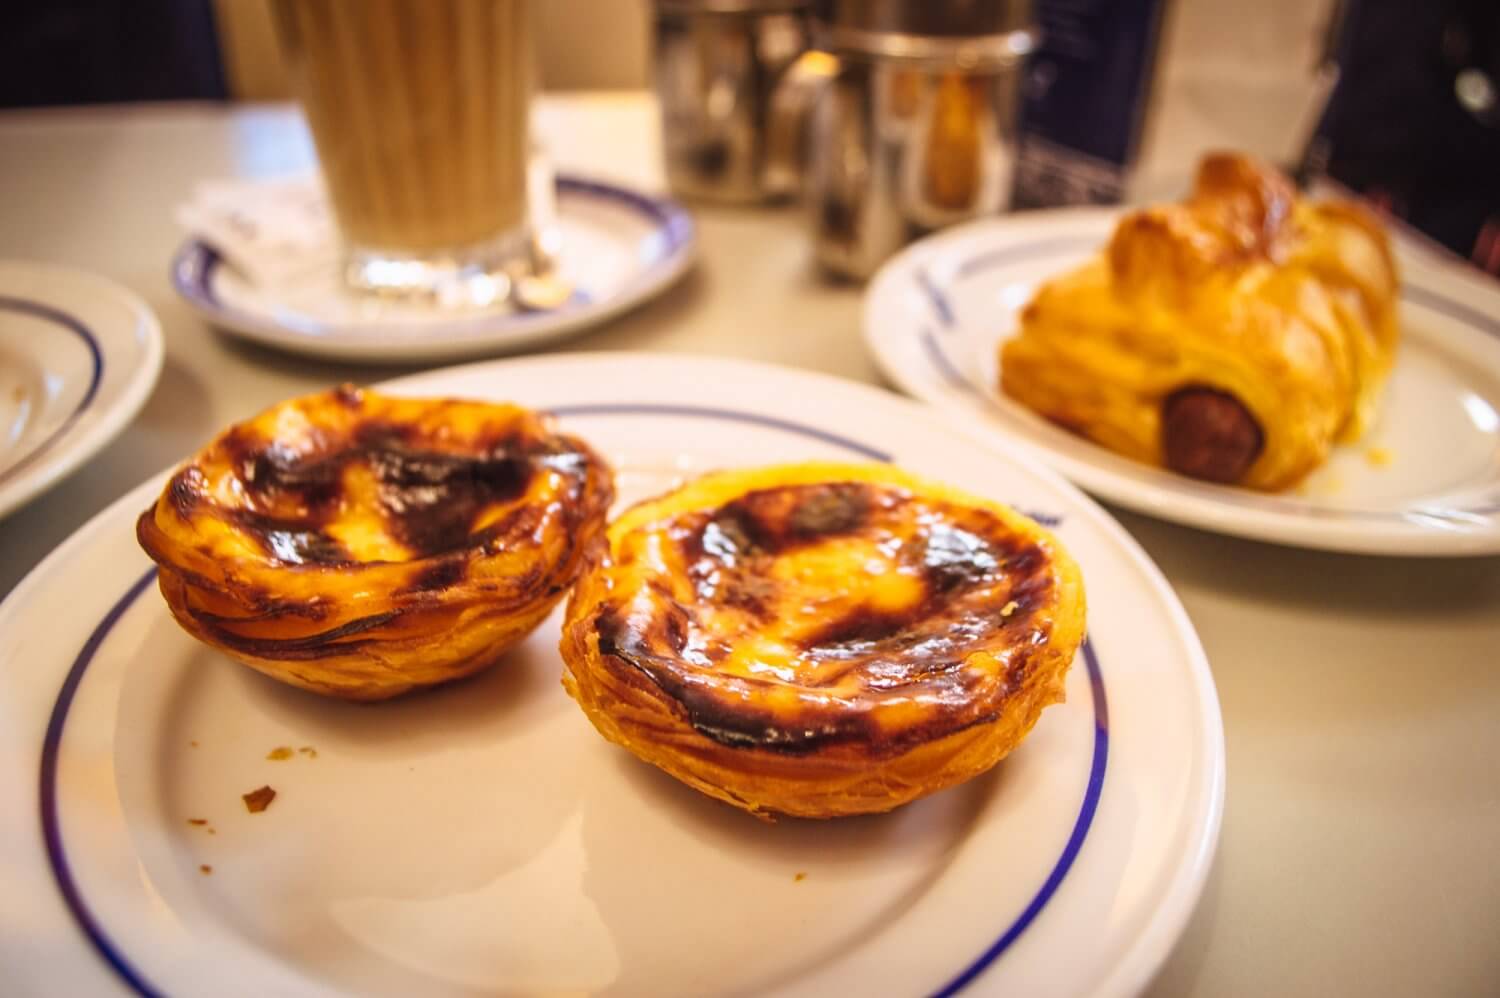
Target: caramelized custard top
<point>367,488</point>
<point>797,616</point>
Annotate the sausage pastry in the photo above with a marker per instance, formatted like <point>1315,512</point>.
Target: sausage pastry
<point>1234,337</point>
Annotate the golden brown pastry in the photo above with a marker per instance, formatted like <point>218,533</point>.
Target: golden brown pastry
<point>360,545</point>
<point>821,640</point>
<point>1234,337</point>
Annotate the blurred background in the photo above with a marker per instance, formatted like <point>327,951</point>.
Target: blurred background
<point>1414,122</point>
<point>94,51</point>
<point>84,51</point>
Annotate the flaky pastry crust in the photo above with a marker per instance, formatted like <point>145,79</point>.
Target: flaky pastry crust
<point>360,546</point>
<point>821,640</point>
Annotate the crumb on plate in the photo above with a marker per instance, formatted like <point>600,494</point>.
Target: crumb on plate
<point>279,753</point>
<point>258,800</point>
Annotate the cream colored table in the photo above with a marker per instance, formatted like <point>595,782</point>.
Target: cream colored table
<point>1361,844</point>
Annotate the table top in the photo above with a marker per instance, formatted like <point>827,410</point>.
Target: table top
<point>1358,852</point>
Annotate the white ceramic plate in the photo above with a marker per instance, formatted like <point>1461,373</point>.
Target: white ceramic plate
<point>78,357</point>
<point>618,248</point>
<point>1425,480</point>
<point>483,838</point>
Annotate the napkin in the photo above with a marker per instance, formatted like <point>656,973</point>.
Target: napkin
<point>271,231</point>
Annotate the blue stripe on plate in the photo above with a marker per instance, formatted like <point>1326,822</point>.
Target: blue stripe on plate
<point>89,923</point>
<point>1021,251</point>
<point>711,412</point>
<point>192,271</point>
<point>942,304</point>
<point>939,298</point>
<point>942,362</point>
<point>76,327</point>
<point>47,801</point>
<point>1075,841</point>
<point>1466,314</point>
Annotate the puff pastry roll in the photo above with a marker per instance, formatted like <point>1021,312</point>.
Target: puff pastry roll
<point>1234,337</point>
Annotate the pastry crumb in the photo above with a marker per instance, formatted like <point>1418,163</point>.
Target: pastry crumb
<point>258,800</point>
<point>279,753</point>
<point>212,830</point>
<point>309,751</point>
<point>205,869</point>
<point>799,877</point>
<point>197,821</point>
<point>1009,608</point>
<point>1380,457</point>
<point>194,743</point>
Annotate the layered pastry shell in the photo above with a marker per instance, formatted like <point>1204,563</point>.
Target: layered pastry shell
<point>361,545</point>
<point>821,640</point>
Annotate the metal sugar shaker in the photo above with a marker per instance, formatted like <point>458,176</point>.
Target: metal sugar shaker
<point>916,128</point>
<point>717,65</point>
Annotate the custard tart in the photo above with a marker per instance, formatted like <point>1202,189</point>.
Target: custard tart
<point>821,640</point>
<point>1234,337</point>
<point>361,546</point>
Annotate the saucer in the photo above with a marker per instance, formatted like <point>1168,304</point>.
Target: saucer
<point>619,247</point>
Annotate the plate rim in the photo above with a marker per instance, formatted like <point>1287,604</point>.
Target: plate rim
<point>1148,947</point>
<point>77,439</point>
<point>1193,504</point>
<point>191,267</point>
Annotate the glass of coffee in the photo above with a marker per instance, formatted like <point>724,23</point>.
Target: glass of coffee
<point>420,112</point>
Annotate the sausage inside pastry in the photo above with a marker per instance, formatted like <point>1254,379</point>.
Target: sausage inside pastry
<point>821,640</point>
<point>1234,337</point>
